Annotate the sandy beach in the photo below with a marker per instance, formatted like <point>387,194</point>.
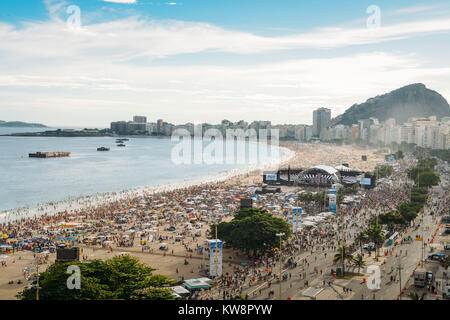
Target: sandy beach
<point>148,214</point>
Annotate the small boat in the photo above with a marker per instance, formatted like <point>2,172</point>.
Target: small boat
<point>121,145</point>
<point>103,149</point>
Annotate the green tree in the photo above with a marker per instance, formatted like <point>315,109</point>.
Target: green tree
<point>306,197</point>
<point>343,255</point>
<point>418,197</point>
<point>119,278</point>
<point>376,236</point>
<point>420,190</point>
<point>253,230</point>
<point>427,179</point>
<point>444,155</point>
<point>399,155</point>
<point>361,238</point>
<point>319,198</point>
<point>391,219</point>
<point>427,162</point>
<point>414,172</point>
<point>358,262</point>
<point>409,210</point>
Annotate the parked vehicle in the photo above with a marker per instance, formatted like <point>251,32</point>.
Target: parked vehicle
<point>393,238</point>
<point>369,246</point>
<point>436,256</point>
<point>446,293</point>
<point>422,278</point>
<point>407,239</point>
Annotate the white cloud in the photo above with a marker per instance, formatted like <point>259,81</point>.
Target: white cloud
<point>134,37</point>
<point>415,9</point>
<point>54,75</point>
<point>107,91</point>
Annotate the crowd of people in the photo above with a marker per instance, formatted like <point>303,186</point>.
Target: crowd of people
<point>176,222</point>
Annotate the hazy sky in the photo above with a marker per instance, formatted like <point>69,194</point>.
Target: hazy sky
<point>210,60</point>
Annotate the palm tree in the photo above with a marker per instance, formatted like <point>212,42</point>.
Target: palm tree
<point>376,235</point>
<point>361,238</point>
<point>343,255</point>
<point>359,262</point>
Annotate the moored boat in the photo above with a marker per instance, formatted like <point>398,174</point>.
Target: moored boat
<point>49,154</point>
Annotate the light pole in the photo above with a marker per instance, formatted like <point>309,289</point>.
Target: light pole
<point>36,261</point>
<point>217,251</point>
<point>280,235</point>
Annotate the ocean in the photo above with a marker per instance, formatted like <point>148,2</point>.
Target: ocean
<point>30,182</point>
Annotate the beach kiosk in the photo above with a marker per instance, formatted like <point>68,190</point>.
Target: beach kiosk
<point>196,284</point>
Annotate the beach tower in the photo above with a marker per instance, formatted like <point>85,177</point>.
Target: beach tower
<point>213,257</point>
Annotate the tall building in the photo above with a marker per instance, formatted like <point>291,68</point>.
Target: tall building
<point>321,120</point>
<point>119,127</point>
<point>140,119</point>
<point>159,126</point>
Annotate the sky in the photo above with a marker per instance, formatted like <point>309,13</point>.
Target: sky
<point>86,63</point>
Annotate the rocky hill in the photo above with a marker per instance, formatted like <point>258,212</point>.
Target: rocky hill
<point>411,101</point>
<point>20,124</point>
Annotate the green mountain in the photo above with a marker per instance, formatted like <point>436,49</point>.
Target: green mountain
<point>411,101</point>
<point>20,124</point>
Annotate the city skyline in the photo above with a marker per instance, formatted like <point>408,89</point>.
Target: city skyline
<point>205,62</point>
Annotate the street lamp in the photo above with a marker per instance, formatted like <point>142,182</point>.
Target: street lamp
<point>280,235</point>
<point>217,249</point>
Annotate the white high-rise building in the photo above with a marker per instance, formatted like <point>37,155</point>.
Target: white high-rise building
<point>321,120</point>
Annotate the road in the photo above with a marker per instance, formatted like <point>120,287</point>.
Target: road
<point>409,255</point>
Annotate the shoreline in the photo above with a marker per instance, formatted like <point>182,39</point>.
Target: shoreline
<point>52,208</point>
<point>294,153</point>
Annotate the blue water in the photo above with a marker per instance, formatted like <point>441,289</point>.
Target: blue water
<point>143,162</point>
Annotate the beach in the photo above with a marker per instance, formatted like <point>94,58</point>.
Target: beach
<point>137,222</point>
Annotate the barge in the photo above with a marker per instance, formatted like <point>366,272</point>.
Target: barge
<point>49,154</point>
<point>103,149</point>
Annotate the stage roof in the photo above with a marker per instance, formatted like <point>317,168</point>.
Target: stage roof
<point>326,168</point>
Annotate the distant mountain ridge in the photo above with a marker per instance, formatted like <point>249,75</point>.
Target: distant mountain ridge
<point>411,101</point>
<point>20,124</point>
